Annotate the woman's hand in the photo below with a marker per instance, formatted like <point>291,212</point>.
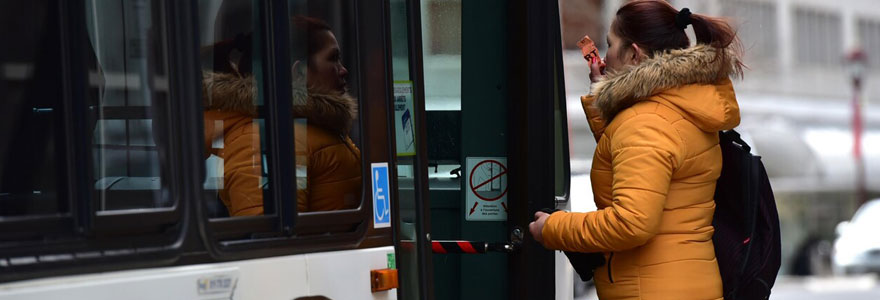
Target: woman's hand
<point>538,225</point>
<point>597,70</point>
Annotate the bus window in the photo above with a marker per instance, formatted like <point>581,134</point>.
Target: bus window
<point>290,71</point>
<point>32,160</point>
<point>84,137</point>
<point>235,161</point>
<point>130,94</point>
<point>325,105</point>
<point>324,110</point>
<point>441,38</point>
<point>561,170</point>
<point>125,95</point>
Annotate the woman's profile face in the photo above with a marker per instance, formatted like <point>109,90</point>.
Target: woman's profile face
<point>326,72</point>
<point>618,55</point>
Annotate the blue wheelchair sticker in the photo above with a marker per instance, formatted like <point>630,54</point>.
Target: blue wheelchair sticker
<point>381,196</point>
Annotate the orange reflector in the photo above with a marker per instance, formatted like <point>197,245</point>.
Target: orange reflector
<point>383,280</point>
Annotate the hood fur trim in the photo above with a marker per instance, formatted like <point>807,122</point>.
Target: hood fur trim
<point>665,70</point>
<point>229,92</point>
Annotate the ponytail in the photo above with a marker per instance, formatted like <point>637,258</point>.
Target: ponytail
<point>717,33</point>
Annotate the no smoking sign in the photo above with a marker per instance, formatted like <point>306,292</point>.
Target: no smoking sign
<point>486,184</point>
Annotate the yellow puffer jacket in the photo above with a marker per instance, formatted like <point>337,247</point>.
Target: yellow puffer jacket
<point>328,164</point>
<point>653,177</point>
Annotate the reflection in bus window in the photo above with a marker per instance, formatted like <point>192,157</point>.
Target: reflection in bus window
<point>328,163</point>
<point>130,123</point>
<point>327,160</point>
<point>234,162</point>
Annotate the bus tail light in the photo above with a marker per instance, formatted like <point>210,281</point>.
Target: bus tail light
<point>383,280</point>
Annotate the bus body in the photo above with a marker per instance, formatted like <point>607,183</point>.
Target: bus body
<point>118,178</point>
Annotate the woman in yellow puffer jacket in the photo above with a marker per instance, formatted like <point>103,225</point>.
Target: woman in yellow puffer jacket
<point>656,117</point>
<point>327,161</point>
<point>331,161</point>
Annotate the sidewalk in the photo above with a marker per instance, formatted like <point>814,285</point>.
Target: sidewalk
<point>858,287</point>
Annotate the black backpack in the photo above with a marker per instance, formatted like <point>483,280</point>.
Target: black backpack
<point>747,241</point>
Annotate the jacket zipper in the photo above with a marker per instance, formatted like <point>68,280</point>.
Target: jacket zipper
<point>609,267</point>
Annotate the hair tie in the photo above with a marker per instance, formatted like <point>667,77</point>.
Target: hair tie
<point>683,18</point>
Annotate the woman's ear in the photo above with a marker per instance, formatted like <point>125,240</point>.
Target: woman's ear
<point>232,60</point>
<point>298,70</point>
<point>637,54</point>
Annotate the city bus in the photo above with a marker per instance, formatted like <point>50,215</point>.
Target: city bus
<point>117,179</point>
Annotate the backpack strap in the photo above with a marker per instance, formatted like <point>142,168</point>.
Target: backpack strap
<point>736,138</point>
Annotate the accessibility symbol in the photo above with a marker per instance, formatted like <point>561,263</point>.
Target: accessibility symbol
<point>381,196</point>
<point>486,189</point>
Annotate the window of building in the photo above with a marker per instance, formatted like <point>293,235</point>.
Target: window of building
<point>869,37</point>
<point>757,29</point>
<point>818,37</point>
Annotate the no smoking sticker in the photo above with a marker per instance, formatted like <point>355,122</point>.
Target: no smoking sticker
<point>486,184</point>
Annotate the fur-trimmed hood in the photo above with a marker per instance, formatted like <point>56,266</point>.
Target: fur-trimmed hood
<point>695,80</point>
<point>232,93</point>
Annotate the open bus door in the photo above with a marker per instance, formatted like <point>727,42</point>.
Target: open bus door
<point>487,148</point>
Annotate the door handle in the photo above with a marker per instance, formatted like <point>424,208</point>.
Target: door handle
<point>561,200</point>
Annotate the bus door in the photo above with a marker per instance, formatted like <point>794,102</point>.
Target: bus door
<point>481,137</point>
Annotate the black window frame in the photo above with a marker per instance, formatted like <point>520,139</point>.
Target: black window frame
<point>561,107</point>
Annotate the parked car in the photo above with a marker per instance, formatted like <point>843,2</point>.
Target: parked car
<point>857,247</point>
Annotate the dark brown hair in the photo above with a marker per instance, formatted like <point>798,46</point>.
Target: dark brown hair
<point>303,30</point>
<point>217,57</point>
<point>651,25</point>
<point>306,29</point>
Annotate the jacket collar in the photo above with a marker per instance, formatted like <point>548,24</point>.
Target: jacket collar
<point>665,70</point>
<point>230,92</point>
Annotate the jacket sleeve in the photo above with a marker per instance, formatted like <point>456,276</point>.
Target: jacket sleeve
<point>594,117</point>
<point>645,150</point>
<point>242,166</point>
